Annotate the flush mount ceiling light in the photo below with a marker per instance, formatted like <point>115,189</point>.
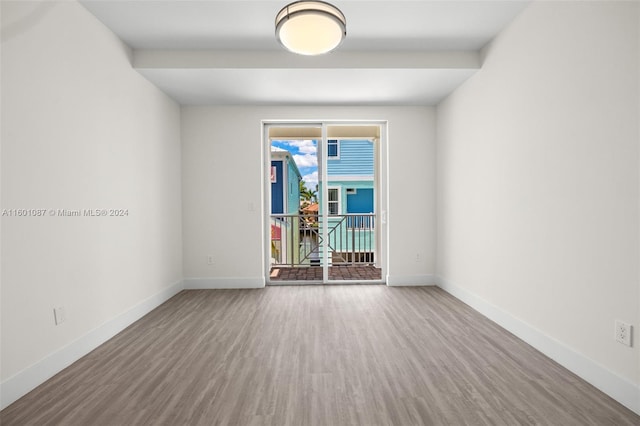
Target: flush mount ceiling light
<point>310,27</point>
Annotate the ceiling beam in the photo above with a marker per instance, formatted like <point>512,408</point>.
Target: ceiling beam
<point>224,59</point>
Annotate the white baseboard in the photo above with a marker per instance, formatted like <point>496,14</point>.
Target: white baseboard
<point>222,283</point>
<point>410,280</point>
<point>622,390</point>
<point>26,380</point>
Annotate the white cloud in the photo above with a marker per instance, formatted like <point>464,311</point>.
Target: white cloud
<point>311,180</point>
<point>306,160</point>
<point>305,146</point>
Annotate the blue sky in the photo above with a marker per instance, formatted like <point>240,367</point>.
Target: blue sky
<point>304,154</point>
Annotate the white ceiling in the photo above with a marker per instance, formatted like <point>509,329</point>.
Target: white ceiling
<point>213,28</point>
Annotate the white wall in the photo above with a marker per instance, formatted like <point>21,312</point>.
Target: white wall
<point>538,166</point>
<point>80,130</point>
<point>221,177</point>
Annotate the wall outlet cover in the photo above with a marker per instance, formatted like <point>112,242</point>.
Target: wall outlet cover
<point>623,332</point>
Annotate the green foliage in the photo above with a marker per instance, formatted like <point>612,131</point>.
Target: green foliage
<point>308,195</point>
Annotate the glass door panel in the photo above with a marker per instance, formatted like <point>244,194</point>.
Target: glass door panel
<point>313,169</point>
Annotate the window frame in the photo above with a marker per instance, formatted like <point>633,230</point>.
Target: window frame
<point>337,144</point>
<point>338,202</point>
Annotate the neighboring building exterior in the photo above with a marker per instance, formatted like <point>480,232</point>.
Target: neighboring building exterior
<point>285,183</point>
<point>350,186</point>
<point>285,204</point>
<point>350,171</point>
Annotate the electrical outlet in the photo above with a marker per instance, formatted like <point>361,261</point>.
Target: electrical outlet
<point>623,333</point>
<point>418,257</point>
<point>59,315</point>
<point>209,260</point>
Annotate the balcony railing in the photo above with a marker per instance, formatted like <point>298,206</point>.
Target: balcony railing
<point>296,240</point>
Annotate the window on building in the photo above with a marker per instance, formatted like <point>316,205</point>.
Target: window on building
<point>333,149</point>
<point>334,201</point>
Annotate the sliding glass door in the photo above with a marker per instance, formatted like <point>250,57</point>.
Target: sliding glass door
<point>322,186</point>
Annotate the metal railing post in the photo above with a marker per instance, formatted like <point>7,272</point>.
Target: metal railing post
<point>353,243</point>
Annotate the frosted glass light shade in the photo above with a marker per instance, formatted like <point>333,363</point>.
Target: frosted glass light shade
<point>310,27</point>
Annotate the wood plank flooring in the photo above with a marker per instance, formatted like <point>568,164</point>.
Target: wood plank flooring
<point>316,355</point>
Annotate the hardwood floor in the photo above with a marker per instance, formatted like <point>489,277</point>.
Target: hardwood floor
<point>316,355</point>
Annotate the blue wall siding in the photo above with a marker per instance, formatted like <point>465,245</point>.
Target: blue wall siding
<point>361,201</point>
<point>277,194</point>
<point>344,197</point>
<point>341,241</point>
<point>279,188</point>
<point>356,159</point>
<point>293,188</point>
